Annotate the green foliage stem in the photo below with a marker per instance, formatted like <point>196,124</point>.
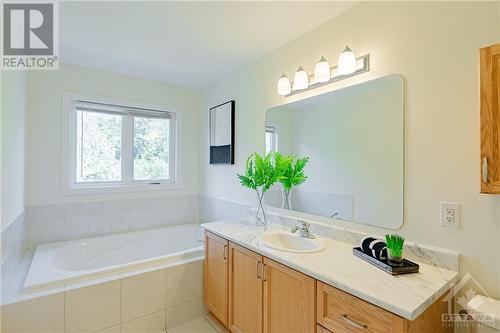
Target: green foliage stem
<point>395,245</point>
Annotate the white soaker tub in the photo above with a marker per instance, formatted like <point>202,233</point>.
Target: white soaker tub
<point>57,264</point>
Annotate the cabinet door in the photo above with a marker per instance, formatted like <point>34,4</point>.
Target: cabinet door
<point>289,300</point>
<point>216,276</point>
<point>490,119</point>
<point>245,290</point>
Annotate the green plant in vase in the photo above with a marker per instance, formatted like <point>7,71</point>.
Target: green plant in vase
<point>293,175</point>
<point>260,174</point>
<point>395,245</point>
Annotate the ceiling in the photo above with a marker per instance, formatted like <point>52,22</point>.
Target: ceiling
<point>190,44</point>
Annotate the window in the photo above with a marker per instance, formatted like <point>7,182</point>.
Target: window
<point>271,139</point>
<point>112,144</point>
<point>98,147</point>
<point>151,148</point>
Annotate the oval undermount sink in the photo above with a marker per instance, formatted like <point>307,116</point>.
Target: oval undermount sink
<point>291,242</point>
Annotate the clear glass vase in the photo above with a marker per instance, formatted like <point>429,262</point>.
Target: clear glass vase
<point>287,200</point>
<point>395,259</point>
<point>261,215</point>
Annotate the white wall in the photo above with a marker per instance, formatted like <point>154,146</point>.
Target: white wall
<point>44,138</point>
<point>434,46</point>
<point>13,134</point>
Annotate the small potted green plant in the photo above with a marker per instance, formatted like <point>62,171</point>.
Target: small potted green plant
<point>394,249</point>
<point>260,174</point>
<point>293,175</point>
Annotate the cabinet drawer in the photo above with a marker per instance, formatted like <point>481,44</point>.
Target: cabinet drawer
<point>341,312</point>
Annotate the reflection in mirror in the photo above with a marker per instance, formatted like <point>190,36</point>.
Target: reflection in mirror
<point>354,140</point>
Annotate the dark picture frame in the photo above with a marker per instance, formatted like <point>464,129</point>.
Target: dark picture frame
<point>221,133</point>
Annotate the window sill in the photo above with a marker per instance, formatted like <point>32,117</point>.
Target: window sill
<point>119,188</point>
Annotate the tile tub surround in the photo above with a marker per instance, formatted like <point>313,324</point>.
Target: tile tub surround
<point>99,218</point>
<point>13,243</point>
<point>15,257</point>
<point>72,262</point>
<point>108,260</point>
<point>150,301</point>
<point>405,295</point>
<point>214,209</point>
<point>55,223</point>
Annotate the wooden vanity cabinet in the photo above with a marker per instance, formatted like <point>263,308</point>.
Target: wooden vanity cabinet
<point>245,290</point>
<point>215,276</point>
<point>265,296</point>
<point>262,295</point>
<point>249,293</point>
<point>490,118</point>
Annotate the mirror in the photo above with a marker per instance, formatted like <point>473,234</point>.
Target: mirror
<point>354,140</point>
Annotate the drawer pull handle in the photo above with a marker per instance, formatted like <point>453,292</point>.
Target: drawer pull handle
<point>259,264</point>
<point>225,252</point>
<point>353,323</point>
<point>484,170</point>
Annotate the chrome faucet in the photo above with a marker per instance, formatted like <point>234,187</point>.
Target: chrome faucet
<point>304,230</point>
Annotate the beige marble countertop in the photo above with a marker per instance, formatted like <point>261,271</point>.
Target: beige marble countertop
<point>405,295</point>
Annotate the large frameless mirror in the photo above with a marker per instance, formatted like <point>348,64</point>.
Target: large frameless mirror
<point>353,138</point>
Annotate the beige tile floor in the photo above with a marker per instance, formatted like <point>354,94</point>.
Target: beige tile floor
<point>198,325</point>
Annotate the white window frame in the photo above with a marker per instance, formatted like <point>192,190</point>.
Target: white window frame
<point>273,129</point>
<point>127,184</point>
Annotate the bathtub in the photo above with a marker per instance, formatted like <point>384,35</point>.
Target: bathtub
<point>59,264</point>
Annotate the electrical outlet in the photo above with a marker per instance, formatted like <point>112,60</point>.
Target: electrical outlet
<point>450,214</point>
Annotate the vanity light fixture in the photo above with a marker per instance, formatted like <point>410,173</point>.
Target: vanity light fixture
<point>347,62</point>
<point>348,66</point>
<point>284,85</point>
<point>301,79</point>
<point>322,71</point>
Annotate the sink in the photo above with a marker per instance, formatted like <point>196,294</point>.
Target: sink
<point>291,242</point>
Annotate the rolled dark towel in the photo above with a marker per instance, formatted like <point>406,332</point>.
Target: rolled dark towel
<point>374,247</point>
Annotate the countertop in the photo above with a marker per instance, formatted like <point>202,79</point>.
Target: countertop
<point>405,295</point>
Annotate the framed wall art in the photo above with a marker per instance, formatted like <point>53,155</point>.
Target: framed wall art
<point>221,120</point>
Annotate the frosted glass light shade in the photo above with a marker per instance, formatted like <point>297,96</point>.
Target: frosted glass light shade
<point>301,79</point>
<point>284,86</point>
<point>347,62</point>
<point>322,71</point>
